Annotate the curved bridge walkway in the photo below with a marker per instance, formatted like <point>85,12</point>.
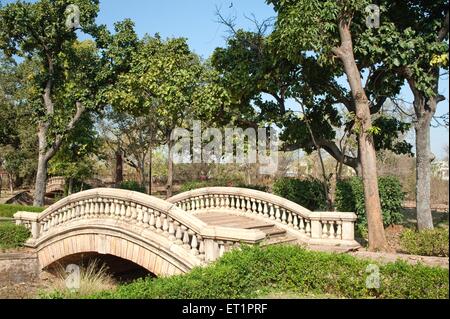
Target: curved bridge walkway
<point>173,236</point>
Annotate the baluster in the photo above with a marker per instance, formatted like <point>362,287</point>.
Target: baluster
<point>290,218</point>
<point>302,225</point>
<point>152,220</point>
<point>249,205</point>
<point>194,244</point>
<point>134,212</point>
<point>265,210</point>
<point>254,208</point>
<point>115,208</point>
<point>222,201</point>
<point>77,210</point>
<point>227,201</point>
<point>127,211</point>
<point>308,228</point>
<point>122,210</point>
<point>331,233</point>
<point>171,229</point>
<point>232,202</point>
<point>145,217</point>
<point>158,223</point>
<point>277,213</point>
<point>283,216</point>
<point>296,222</point>
<point>260,208</point>
<point>339,229</point>
<point>185,237</point>
<point>178,234</point>
<point>165,225</point>
<point>272,212</point>
<point>221,248</point>
<point>325,230</point>
<point>201,248</point>
<point>102,206</point>
<point>91,209</point>
<point>188,205</point>
<point>82,209</point>
<point>140,215</point>
<point>96,209</point>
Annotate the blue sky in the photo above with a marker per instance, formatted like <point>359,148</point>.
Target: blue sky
<point>196,21</point>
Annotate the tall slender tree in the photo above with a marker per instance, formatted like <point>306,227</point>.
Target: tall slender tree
<point>64,83</point>
<point>412,41</point>
<point>330,30</point>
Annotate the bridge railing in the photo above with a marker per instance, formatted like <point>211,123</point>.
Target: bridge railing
<point>315,227</point>
<point>148,212</point>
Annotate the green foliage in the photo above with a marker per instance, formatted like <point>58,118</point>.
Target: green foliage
<point>350,198</point>
<point>7,210</point>
<point>13,236</point>
<point>132,186</point>
<point>253,272</point>
<point>262,188</point>
<point>430,242</point>
<point>220,182</point>
<point>308,193</point>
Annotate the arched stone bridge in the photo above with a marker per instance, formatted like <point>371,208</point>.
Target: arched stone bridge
<point>173,236</point>
<point>55,185</point>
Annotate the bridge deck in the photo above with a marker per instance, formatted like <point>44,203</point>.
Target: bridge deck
<point>274,234</point>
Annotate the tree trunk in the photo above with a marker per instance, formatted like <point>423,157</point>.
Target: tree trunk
<point>150,181</point>
<point>11,183</point>
<point>70,188</point>
<point>170,169</point>
<point>377,238</point>
<point>41,180</point>
<point>118,170</point>
<point>423,173</point>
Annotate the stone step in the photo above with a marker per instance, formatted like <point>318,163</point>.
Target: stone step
<point>279,240</point>
<point>273,232</point>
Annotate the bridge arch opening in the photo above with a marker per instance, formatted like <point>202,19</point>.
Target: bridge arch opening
<point>121,270</point>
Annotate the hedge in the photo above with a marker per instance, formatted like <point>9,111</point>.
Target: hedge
<point>13,236</point>
<point>308,193</point>
<point>253,272</point>
<point>350,198</point>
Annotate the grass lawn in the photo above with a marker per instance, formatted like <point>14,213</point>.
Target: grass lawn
<point>9,210</point>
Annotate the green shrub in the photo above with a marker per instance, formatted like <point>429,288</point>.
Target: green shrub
<point>132,186</point>
<point>262,188</point>
<point>220,182</point>
<point>13,236</point>
<point>307,193</point>
<point>350,198</point>
<point>254,272</point>
<point>188,186</point>
<point>7,210</point>
<point>432,242</point>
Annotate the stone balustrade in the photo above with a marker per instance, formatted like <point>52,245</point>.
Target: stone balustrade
<point>139,210</point>
<point>313,227</point>
<point>56,183</point>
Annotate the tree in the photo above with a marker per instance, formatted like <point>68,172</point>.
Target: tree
<point>133,138</point>
<point>17,146</point>
<point>64,84</point>
<point>412,41</point>
<point>251,70</point>
<point>168,81</point>
<point>75,158</point>
<point>331,30</point>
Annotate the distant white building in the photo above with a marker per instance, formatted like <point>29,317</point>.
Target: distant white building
<point>440,170</point>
